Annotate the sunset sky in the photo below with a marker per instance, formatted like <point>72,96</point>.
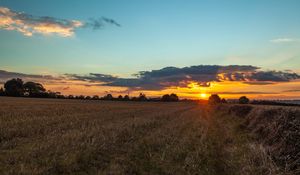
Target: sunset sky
<point>193,48</point>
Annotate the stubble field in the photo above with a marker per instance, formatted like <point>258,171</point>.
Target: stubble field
<point>48,136</point>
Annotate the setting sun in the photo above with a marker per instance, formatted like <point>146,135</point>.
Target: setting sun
<point>203,95</point>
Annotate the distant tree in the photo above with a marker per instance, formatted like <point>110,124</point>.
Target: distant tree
<point>14,87</point>
<point>171,97</point>
<point>33,89</point>
<point>174,97</point>
<point>2,92</point>
<point>51,94</point>
<point>71,97</point>
<point>214,99</point>
<point>60,96</point>
<point>120,97</point>
<point>108,97</point>
<point>88,97</point>
<point>165,97</point>
<point>126,98</point>
<point>95,97</point>
<point>81,97</point>
<point>243,100</point>
<point>142,97</point>
<point>223,100</point>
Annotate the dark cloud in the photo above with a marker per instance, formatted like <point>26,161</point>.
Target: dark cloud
<point>202,75</point>
<point>66,88</point>
<point>29,24</point>
<point>246,93</point>
<point>259,82</point>
<point>292,90</point>
<point>5,75</point>
<point>169,77</point>
<point>276,76</point>
<point>100,23</point>
<point>235,93</point>
<point>93,77</point>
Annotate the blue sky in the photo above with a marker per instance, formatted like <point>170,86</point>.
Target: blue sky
<point>156,34</point>
<point>114,39</point>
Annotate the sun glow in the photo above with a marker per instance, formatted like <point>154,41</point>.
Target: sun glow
<point>203,95</point>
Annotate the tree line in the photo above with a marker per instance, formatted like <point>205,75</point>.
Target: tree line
<point>215,99</point>
<point>17,88</point>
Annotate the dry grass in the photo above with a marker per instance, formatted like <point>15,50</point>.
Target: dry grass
<point>276,128</point>
<point>44,136</point>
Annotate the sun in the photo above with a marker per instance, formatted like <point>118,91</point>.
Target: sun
<point>203,95</point>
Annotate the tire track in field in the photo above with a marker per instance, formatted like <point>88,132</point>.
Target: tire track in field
<point>146,152</point>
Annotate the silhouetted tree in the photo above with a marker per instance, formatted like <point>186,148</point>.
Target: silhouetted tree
<point>60,96</point>
<point>71,97</point>
<point>2,92</point>
<point>223,100</point>
<point>81,97</point>
<point>243,100</point>
<point>88,97</point>
<point>165,97</point>
<point>14,87</point>
<point>52,94</point>
<point>108,97</point>
<point>120,97</point>
<point>33,89</point>
<point>172,97</point>
<point>95,97</point>
<point>126,98</point>
<point>142,97</point>
<point>214,99</point>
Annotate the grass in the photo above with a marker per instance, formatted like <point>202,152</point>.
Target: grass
<point>46,136</point>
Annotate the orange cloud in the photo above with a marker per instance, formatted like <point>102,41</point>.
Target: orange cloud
<point>28,25</point>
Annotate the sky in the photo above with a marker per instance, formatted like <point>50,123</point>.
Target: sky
<point>156,47</point>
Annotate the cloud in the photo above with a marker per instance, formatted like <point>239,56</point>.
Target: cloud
<point>202,75</point>
<point>168,77</point>
<point>292,90</point>
<point>100,23</point>
<point>28,24</point>
<point>5,75</point>
<point>93,77</point>
<point>234,93</point>
<point>283,40</point>
<point>44,79</point>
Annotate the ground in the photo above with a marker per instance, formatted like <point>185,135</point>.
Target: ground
<point>53,136</point>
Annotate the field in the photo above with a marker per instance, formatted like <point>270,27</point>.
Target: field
<point>48,136</point>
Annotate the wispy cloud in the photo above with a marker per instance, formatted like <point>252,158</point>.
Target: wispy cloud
<point>28,24</point>
<point>5,75</point>
<point>283,40</point>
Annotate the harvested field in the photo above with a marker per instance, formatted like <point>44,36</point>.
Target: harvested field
<point>47,136</point>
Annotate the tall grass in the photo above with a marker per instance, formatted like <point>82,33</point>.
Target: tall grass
<point>277,129</point>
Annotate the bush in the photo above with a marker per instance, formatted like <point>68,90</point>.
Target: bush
<point>243,100</point>
<point>214,99</point>
<point>14,87</point>
<point>171,97</point>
